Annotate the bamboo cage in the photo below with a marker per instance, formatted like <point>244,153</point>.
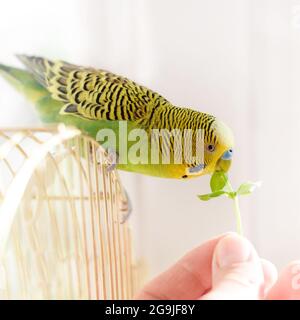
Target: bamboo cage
<point>61,235</point>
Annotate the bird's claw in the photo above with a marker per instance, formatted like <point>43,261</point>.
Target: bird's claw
<point>112,159</point>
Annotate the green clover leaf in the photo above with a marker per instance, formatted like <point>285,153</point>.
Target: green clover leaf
<point>247,188</point>
<point>208,196</point>
<point>218,181</point>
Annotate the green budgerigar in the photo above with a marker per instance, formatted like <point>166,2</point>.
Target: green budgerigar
<point>94,99</point>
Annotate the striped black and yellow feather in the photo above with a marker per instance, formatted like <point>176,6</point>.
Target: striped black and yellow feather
<point>94,94</point>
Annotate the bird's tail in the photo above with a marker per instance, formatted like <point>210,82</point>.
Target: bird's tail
<point>24,82</point>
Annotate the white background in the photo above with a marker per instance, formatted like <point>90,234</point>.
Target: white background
<point>236,59</point>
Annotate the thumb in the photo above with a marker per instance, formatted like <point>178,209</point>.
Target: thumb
<point>236,270</point>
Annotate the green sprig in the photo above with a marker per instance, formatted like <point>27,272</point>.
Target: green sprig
<point>220,186</point>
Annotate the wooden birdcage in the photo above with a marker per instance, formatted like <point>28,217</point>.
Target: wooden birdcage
<point>61,235</point>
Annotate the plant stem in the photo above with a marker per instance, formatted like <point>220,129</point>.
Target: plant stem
<point>237,211</point>
<point>238,218</point>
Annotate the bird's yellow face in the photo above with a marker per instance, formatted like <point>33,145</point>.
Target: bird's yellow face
<point>219,155</point>
<point>218,151</point>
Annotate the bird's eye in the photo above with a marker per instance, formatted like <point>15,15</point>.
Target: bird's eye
<point>211,148</point>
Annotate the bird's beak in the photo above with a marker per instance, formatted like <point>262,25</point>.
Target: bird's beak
<point>223,165</point>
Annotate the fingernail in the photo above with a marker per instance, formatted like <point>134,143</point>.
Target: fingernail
<point>231,250</point>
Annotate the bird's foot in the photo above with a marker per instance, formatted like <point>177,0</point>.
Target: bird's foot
<point>112,159</point>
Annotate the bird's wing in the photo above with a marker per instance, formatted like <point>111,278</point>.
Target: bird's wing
<point>94,94</point>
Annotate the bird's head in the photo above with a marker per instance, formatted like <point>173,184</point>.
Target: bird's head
<point>218,150</point>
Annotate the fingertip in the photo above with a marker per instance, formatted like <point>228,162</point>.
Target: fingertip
<point>237,270</point>
<point>232,249</point>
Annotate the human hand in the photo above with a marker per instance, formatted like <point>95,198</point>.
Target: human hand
<point>227,267</point>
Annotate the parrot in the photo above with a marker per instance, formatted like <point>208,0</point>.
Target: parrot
<point>92,99</point>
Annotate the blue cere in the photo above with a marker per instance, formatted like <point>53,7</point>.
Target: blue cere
<point>227,155</point>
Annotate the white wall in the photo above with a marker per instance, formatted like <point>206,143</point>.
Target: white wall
<point>237,59</point>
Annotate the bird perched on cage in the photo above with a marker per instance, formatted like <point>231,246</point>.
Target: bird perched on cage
<point>92,99</point>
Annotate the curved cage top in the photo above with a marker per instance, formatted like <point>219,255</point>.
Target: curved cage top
<point>61,235</point>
